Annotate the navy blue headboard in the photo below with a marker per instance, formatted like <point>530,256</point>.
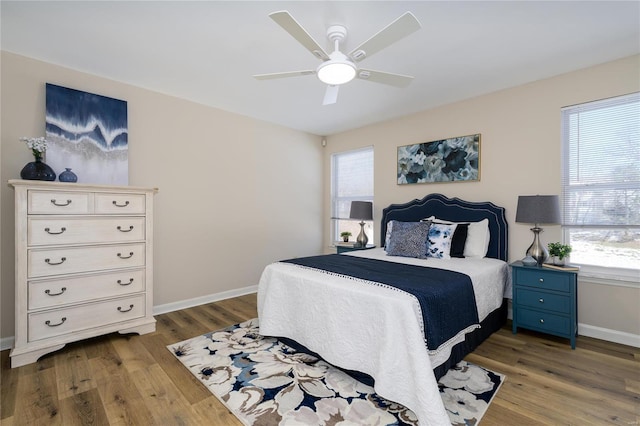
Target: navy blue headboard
<point>454,210</point>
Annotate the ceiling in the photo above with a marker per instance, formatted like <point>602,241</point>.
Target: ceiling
<point>207,51</point>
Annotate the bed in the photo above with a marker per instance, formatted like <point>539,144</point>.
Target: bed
<point>359,322</point>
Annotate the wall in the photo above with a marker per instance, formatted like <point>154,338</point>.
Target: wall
<point>520,155</point>
<point>234,194</point>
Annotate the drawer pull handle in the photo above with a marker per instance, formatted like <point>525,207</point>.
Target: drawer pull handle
<point>122,310</point>
<point>130,281</point>
<point>62,259</point>
<point>541,300</point>
<point>115,203</point>
<point>47,322</point>
<point>541,321</point>
<point>125,230</point>
<point>125,257</point>
<point>62,290</point>
<point>48,231</point>
<point>541,280</point>
<point>55,203</point>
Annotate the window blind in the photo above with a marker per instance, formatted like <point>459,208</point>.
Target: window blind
<point>601,163</point>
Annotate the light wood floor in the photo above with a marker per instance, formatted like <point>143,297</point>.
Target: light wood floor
<point>118,380</point>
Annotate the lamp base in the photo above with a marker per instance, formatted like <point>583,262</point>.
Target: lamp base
<point>536,249</point>
<point>362,239</point>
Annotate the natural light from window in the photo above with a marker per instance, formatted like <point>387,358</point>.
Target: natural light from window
<point>601,182</point>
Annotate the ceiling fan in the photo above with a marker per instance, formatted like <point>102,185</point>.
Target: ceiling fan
<point>338,68</point>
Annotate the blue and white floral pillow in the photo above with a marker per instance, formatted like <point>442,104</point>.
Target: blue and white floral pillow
<point>439,240</point>
<point>409,239</point>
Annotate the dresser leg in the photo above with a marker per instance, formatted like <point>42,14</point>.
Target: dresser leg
<point>19,359</point>
<point>140,329</point>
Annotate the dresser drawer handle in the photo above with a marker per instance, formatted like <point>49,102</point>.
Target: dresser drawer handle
<point>47,322</point>
<point>541,321</point>
<point>125,230</point>
<point>541,280</point>
<point>115,203</point>
<point>122,310</point>
<point>541,300</point>
<point>62,290</point>
<point>55,203</point>
<point>62,259</point>
<point>125,257</point>
<point>48,231</point>
<point>121,283</point>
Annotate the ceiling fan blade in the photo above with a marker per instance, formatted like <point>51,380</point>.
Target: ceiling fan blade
<point>290,25</point>
<point>331,95</point>
<point>395,31</point>
<point>283,74</point>
<point>397,80</point>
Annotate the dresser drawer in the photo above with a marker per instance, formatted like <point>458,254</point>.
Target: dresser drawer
<point>69,320</point>
<point>52,293</point>
<point>107,203</point>
<point>69,260</point>
<point>73,230</point>
<point>543,279</point>
<point>543,321</point>
<point>54,202</point>
<point>541,300</point>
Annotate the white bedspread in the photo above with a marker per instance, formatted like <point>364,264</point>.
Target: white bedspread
<point>372,329</point>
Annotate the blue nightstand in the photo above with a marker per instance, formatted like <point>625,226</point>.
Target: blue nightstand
<point>545,300</point>
<point>342,249</point>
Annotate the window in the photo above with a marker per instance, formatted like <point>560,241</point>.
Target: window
<point>601,186</point>
<point>351,180</point>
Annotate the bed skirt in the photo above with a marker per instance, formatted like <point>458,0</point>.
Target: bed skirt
<point>492,323</point>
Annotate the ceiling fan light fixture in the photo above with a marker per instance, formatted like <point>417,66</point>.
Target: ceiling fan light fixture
<point>336,72</point>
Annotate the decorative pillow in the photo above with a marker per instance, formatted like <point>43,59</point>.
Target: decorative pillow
<point>439,240</point>
<point>459,240</point>
<point>387,237</point>
<point>477,239</point>
<point>408,239</point>
<point>478,236</point>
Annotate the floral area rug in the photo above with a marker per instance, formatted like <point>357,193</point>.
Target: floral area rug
<point>265,382</point>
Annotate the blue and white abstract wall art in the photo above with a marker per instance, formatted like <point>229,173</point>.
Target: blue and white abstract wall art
<point>87,133</point>
<point>447,160</point>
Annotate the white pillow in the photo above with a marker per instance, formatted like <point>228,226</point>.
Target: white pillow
<point>478,236</point>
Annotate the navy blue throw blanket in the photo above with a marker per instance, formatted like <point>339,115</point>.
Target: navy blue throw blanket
<point>446,297</point>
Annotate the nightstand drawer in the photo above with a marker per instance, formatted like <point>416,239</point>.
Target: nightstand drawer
<point>543,279</point>
<point>541,300</point>
<point>544,321</point>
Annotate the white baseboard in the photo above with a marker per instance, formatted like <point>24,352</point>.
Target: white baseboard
<point>7,342</point>
<point>196,301</point>
<point>609,335</point>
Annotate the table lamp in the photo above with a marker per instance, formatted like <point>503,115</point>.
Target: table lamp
<point>361,210</point>
<point>538,209</point>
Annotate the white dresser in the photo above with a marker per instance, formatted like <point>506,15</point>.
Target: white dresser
<point>84,264</point>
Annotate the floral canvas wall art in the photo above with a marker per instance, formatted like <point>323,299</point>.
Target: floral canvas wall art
<point>447,160</point>
<point>87,133</point>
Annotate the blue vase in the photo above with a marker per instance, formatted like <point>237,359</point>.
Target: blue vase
<point>67,176</point>
<point>37,170</point>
